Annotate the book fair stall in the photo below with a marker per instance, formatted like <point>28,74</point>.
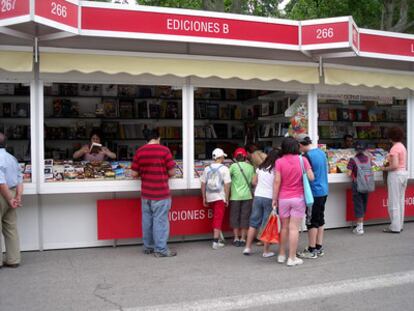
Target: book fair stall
<point>81,81</point>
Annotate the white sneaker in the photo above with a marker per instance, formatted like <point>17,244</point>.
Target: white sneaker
<point>281,259</point>
<point>294,262</point>
<point>247,251</point>
<point>358,231</point>
<point>217,245</point>
<point>267,255</point>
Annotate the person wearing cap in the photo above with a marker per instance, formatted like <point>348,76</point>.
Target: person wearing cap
<point>359,199</point>
<point>215,189</point>
<point>241,196</point>
<point>315,217</point>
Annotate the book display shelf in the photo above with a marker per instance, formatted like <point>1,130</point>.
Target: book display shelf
<point>15,123</point>
<point>120,113</point>
<point>365,118</point>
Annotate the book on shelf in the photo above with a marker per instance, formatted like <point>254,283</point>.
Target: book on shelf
<point>237,131</point>
<point>224,113</point>
<point>126,90</point>
<point>201,110</point>
<point>89,90</point>
<point>141,109</point>
<point>221,130</point>
<point>200,150</point>
<point>110,129</point>
<point>154,110</point>
<point>231,94</point>
<point>145,92</point>
<point>324,114</point>
<point>126,109</point>
<point>110,90</point>
<point>265,109</point>
<point>332,112</point>
<point>110,108</point>
<point>7,109</point>
<point>68,89</point>
<point>6,89</point>
<point>212,111</point>
<point>22,110</point>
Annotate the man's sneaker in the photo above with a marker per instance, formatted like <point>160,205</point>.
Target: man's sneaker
<point>358,231</point>
<point>242,242</point>
<point>308,254</point>
<point>247,251</point>
<point>236,243</point>
<point>320,252</point>
<point>169,253</point>
<point>148,251</point>
<point>294,262</point>
<point>281,259</point>
<point>217,245</point>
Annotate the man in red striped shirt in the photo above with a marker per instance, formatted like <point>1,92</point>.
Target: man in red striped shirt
<point>153,162</point>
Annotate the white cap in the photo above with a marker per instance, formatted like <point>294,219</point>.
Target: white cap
<point>217,153</point>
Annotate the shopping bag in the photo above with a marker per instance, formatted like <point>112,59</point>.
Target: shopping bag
<point>270,232</point>
<point>306,188</point>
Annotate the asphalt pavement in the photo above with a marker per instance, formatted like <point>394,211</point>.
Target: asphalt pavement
<point>370,272</point>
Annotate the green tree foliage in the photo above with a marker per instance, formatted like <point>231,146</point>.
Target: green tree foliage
<point>392,15</point>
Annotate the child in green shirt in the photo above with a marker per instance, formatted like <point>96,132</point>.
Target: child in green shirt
<point>241,197</point>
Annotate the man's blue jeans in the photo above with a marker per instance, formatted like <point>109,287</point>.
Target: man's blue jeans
<point>155,224</point>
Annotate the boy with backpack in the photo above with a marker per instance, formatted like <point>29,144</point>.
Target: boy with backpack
<point>241,197</point>
<point>360,169</point>
<point>215,188</point>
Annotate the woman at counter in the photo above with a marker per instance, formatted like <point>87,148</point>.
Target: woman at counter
<point>397,180</point>
<point>94,151</point>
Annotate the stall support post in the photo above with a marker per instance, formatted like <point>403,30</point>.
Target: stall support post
<point>313,115</point>
<point>410,134</point>
<point>188,132</point>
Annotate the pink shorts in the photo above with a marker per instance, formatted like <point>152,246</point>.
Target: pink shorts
<point>293,207</point>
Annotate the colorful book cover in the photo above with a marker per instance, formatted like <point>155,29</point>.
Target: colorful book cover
<point>333,116</point>
<point>323,114</point>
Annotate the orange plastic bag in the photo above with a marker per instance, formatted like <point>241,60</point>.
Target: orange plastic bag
<point>270,232</point>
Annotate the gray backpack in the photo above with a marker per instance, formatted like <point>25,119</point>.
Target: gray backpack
<point>365,176</point>
<point>214,182</point>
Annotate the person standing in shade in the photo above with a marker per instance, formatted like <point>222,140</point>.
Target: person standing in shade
<point>315,220</point>
<point>289,199</point>
<point>348,141</point>
<point>154,164</point>
<point>360,199</point>
<point>215,189</point>
<point>397,180</point>
<point>11,190</point>
<point>262,201</point>
<point>242,174</point>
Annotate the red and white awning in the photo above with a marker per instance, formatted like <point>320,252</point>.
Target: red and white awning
<point>323,38</point>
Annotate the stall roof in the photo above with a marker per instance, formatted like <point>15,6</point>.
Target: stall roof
<point>84,25</point>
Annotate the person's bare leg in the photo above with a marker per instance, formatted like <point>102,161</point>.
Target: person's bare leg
<point>284,236</point>
<point>319,238</point>
<point>312,236</point>
<point>294,226</point>
<point>251,234</point>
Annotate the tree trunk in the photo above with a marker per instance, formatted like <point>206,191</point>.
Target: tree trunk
<point>402,24</point>
<point>236,6</point>
<point>389,6</point>
<point>213,5</point>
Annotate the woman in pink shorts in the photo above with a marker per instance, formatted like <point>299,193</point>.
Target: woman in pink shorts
<point>288,197</point>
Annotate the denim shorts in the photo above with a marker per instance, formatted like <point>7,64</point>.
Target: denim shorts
<point>262,207</point>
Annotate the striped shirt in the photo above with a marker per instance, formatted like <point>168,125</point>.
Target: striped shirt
<point>152,162</point>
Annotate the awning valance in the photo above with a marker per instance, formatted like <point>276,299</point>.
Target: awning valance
<point>180,67</point>
<point>14,61</point>
<point>370,78</point>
